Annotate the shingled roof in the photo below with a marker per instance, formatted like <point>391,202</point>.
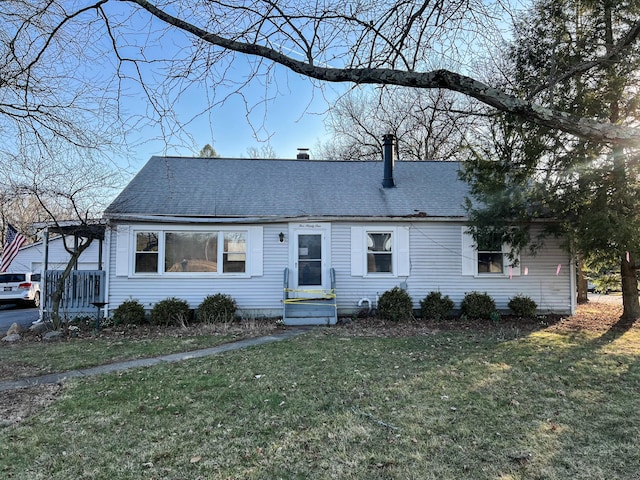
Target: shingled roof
<point>241,188</point>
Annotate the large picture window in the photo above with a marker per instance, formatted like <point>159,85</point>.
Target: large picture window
<point>379,252</point>
<point>191,252</point>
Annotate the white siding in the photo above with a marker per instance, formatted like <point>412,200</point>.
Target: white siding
<point>262,292</point>
<point>29,258</point>
<point>435,263</point>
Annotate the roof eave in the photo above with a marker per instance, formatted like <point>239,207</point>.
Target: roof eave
<point>143,218</point>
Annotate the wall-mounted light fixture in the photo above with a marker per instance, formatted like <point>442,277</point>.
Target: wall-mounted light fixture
<point>281,237</point>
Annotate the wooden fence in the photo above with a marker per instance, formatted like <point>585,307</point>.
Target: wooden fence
<point>82,290</point>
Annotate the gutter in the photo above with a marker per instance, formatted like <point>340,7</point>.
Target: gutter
<point>275,219</point>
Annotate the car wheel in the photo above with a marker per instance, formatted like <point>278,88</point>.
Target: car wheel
<point>36,300</point>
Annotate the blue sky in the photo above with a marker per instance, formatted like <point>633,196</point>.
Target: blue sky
<point>292,117</point>
<point>295,118</point>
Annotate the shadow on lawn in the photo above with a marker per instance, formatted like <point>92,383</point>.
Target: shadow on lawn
<point>615,331</point>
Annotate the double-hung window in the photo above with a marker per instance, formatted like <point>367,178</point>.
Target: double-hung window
<point>234,253</point>
<point>146,252</point>
<point>379,252</point>
<point>490,257</point>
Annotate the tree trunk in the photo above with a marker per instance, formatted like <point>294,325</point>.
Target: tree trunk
<point>630,303</point>
<point>582,283</point>
<point>56,296</point>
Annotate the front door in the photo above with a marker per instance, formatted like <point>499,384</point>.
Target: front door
<point>310,257</point>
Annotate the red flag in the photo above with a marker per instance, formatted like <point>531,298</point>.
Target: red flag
<point>12,244</point>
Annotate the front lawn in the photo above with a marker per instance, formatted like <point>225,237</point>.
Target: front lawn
<point>34,357</point>
<point>495,403</point>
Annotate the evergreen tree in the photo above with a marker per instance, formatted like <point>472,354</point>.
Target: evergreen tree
<point>526,171</point>
<point>208,152</point>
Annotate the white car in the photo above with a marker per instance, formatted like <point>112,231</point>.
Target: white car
<point>20,288</point>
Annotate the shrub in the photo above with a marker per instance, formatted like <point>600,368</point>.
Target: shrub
<point>170,311</point>
<point>217,308</point>
<point>435,306</point>
<point>395,304</point>
<point>129,312</point>
<point>478,305</point>
<point>523,306</point>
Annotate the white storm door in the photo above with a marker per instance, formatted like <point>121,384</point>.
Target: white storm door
<point>309,258</point>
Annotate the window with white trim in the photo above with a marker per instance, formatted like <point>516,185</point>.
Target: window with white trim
<point>146,260</point>
<point>490,258</point>
<point>379,252</point>
<point>234,254</point>
<point>192,251</point>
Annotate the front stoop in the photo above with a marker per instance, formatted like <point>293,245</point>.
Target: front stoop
<point>321,310</point>
<point>310,312</point>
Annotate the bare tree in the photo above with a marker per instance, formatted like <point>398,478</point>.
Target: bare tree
<point>428,125</point>
<point>265,151</point>
<point>421,45</point>
<point>73,191</point>
<point>50,86</point>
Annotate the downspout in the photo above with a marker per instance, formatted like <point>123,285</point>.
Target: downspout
<point>572,285</point>
<point>107,263</point>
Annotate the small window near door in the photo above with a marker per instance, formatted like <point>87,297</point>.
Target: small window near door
<point>379,252</point>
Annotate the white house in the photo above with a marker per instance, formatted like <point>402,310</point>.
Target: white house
<point>339,232</point>
<point>31,258</point>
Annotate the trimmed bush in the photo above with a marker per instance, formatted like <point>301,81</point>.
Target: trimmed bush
<point>478,305</point>
<point>523,306</point>
<point>395,304</point>
<point>170,311</point>
<point>129,312</point>
<point>436,306</point>
<point>217,308</point>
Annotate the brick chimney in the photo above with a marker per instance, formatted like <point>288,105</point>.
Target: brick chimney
<point>303,154</point>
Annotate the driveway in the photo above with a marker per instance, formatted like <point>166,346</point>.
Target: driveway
<point>611,299</point>
<point>10,314</point>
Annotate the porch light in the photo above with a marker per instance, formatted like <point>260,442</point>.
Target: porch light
<point>281,237</point>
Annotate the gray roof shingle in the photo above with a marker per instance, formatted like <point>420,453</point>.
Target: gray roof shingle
<point>215,187</point>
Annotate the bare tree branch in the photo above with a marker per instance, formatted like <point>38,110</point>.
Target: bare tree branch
<point>439,78</point>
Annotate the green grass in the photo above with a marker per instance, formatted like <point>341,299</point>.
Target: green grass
<point>451,405</point>
<point>20,360</point>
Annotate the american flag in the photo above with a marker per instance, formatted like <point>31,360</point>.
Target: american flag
<point>12,244</point>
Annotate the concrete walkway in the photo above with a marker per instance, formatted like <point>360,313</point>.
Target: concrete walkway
<point>147,362</point>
